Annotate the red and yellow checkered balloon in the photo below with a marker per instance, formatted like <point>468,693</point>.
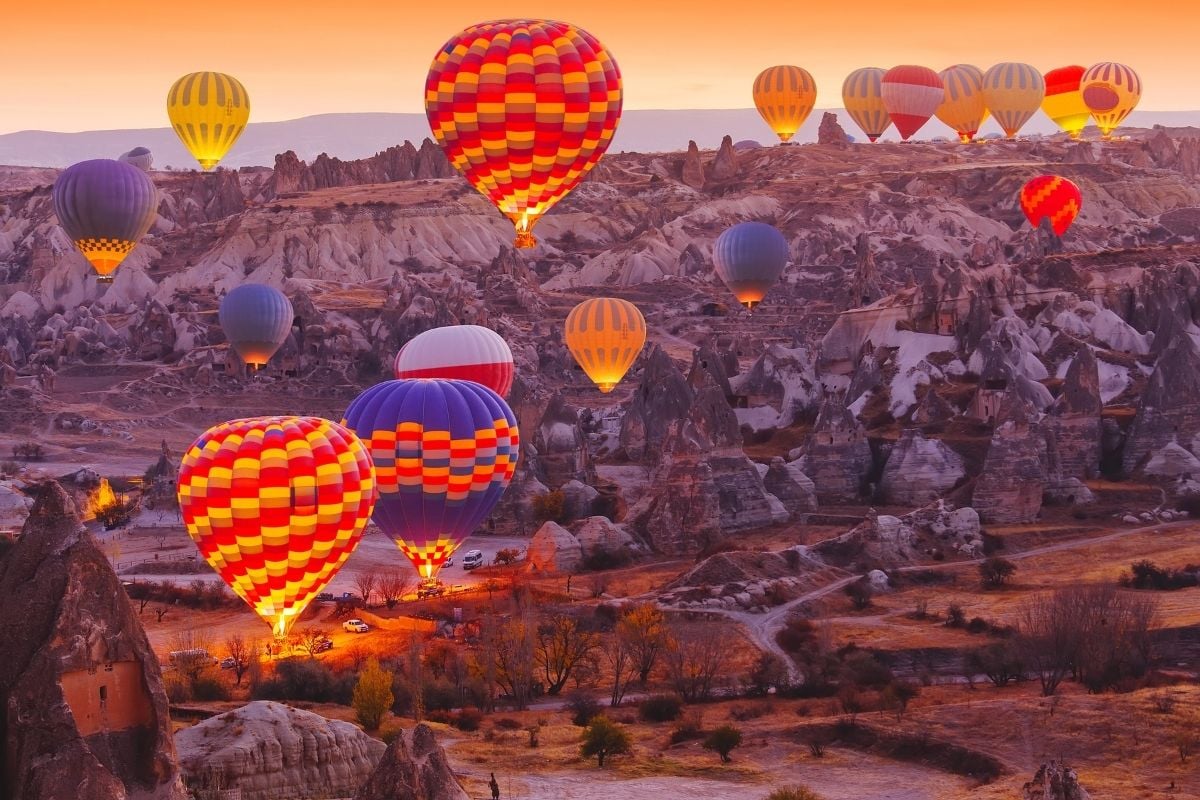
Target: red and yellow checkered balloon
<point>276,505</point>
<point>1053,197</point>
<point>523,109</point>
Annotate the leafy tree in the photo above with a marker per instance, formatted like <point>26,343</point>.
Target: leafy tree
<point>723,740</point>
<point>372,695</point>
<point>550,507</point>
<point>999,661</point>
<point>583,708</point>
<point>996,571</point>
<point>603,738</point>
<point>644,630</point>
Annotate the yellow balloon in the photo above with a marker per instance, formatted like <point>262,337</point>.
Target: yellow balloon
<point>1064,103</point>
<point>862,96</point>
<point>1013,93</point>
<point>209,111</point>
<point>963,109</point>
<point>1111,91</point>
<point>785,96</point>
<point>605,335</point>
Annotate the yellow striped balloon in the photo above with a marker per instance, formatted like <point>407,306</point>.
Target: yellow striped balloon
<point>605,335</point>
<point>209,111</point>
<point>862,95</point>
<point>963,108</point>
<point>1013,93</point>
<point>785,96</point>
<point>1111,91</point>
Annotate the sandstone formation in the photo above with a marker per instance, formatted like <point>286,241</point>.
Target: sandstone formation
<point>1168,408</point>
<point>562,453</point>
<point>920,470</point>
<point>830,131</point>
<point>596,534</point>
<point>1010,487</point>
<point>85,709</point>
<point>837,456</point>
<point>400,163</point>
<point>270,751</point>
<point>663,397</point>
<point>1073,424</point>
<point>413,767</point>
<point>554,549</point>
<point>724,163</point>
<point>791,486</point>
<point>1054,781</point>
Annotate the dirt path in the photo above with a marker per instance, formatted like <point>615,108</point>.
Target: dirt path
<point>762,628</point>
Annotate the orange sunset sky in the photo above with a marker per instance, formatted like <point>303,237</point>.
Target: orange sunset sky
<point>74,66</point>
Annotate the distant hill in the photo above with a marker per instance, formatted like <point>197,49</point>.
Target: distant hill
<point>357,135</point>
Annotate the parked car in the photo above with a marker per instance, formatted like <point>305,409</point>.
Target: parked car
<point>193,656</point>
<point>473,559</point>
<point>229,662</point>
<point>431,588</point>
<point>323,645</point>
<point>355,626</point>
<point>449,562</point>
<point>325,596</point>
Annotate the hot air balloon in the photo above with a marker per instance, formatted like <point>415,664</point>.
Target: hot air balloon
<point>1013,93</point>
<point>276,505</point>
<point>524,109</point>
<point>862,95</point>
<point>459,352</point>
<point>962,106</point>
<point>750,257</point>
<point>1064,103</point>
<point>1053,197</point>
<point>605,335</point>
<point>139,157</point>
<point>911,95</point>
<point>257,320</point>
<point>106,207</point>
<point>1111,91</point>
<point>209,111</point>
<point>444,451</point>
<point>785,96</point>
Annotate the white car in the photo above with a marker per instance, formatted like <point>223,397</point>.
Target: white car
<point>355,626</point>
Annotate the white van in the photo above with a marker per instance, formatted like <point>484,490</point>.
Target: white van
<point>197,655</point>
<point>473,559</point>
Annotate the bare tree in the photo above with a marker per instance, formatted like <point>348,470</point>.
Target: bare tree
<point>309,640</point>
<point>562,647</point>
<point>358,655</point>
<point>394,584</point>
<point>241,653</point>
<point>695,658</point>
<point>161,612</point>
<point>622,667</point>
<point>189,653</point>
<point>366,582</point>
<point>514,659</point>
<point>1048,639</point>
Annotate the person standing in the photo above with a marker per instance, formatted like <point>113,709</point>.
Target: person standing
<point>495,787</point>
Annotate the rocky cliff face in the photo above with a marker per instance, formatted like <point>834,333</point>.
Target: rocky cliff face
<point>920,470</point>
<point>414,767</point>
<point>271,751</point>
<point>1168,409</point>
<point>562,452</point>
<point>1010,487</point>
<point>1073,425</point>
<point>837,455</point>
<point>86,713</point>
<point>400,163</point>
<point>663,397</point>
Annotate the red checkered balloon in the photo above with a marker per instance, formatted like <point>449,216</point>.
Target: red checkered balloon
<point>523,109</point>
<point>1053,197</point>
<point>276,505</point>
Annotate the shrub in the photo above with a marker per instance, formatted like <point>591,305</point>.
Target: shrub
<point>603,738</point>
<point>978,625</point>
<point>468,719</point>
<point>794,793</point>
<point>768,671</point>
<point>305,679</point>
<point>995,571</point>
<point>9,469</point>
<point>550,507</point>
<point>686,731</point>
<point>508,724</point>
<point>723,740</point>
<point>506,556</point>
<point>797,634</point>
<point>747,712</point>
<point>177,689</point>
<point>660,708</point>
<point>860,594</point>
<point>1163,702</point>
<point>373,695</point>
<point>1000,662</point>
<point>955,616</point>
<point>28,451</point>
<point>208,689</point>
<point>603,558</point>
<point>1146,574</point>
<point>583,708</point>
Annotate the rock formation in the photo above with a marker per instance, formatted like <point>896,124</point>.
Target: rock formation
<point>830,132</point>
<point>414,767</point>
<point>596,534</point>
<point>784,378</point>
<point>724,163</point>
<point>1073,423</point>
<point>1168,408</point>
<point>399,163</point>
<point>562,453</point>
<point>1054,781</point>
<point>1010,487</point>
<point>693,169</point>
<point>554,549</point>
<point>85,709</point>
<point>270,751</point>
<point>920,470</point>
<point>663,397</point>
<point>837,455</point>
<point>791,486</point>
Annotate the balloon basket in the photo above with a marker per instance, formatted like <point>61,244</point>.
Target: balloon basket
<point>104,279</point>
<point>524,240</point>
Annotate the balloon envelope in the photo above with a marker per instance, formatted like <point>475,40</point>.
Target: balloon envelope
<point>962,105</point>
<point>750,257</point>
<point>459,352</point>
<point>106,207</point>
<point>276,505</point>
<point>257,320</point>
<point>784,97</point>
<point>209,111</point>
<point>139,157</point>
<point>605,335</point>
<point>1111,91</point>
<point>1064,103</point>
<point>1052,197</point>
<point>524,109</point>
<point>911,94</point>
<point>1013,93</point>
<point>862,95</point>
<point>444,451</point>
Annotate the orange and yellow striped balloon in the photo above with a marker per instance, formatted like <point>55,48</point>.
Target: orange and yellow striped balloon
<point>276,505</point>
<point>1054,198</point>
<point>209,111</point>
<point>605,335</point>
<point>1111,92</point>
<point>1064,103</point>
<point>785,96</point>
<point>1013,93</point>
<point>862,95</point>
<point>963,109</point>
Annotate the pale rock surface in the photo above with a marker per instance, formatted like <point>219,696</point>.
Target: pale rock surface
<point>920,470</point>
<point>554,549</point>
<point>600,533</point>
